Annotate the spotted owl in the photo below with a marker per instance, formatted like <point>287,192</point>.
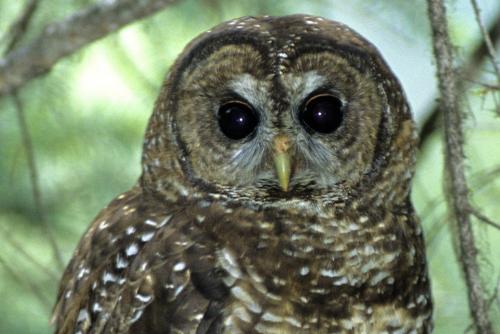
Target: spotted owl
<point>274,196</point>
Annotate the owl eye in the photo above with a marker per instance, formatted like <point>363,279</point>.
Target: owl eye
<point>237,120</point>
<point>322,113</point>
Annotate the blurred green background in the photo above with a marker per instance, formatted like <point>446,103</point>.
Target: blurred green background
<point>88,115</point>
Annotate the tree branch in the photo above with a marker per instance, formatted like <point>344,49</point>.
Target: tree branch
<point>479,180</point>
<point>61,39</point>
<point>19,27</point>
<point>468,70</point>
<point>37,291</point>
<point>454,161</point>
<point>14,36</point>
<point>30,156</point>
<point>491,300</point>
<point>487,40</point>
<point>21,250</point>
<point>483,218</point>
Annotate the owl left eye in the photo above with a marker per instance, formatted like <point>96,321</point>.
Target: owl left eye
<point>237,120</point>
<point>322,113</point>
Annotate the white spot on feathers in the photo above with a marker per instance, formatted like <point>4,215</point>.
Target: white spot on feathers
<point>244,297</point>
<point>179,266</point>
<point>132,249</point>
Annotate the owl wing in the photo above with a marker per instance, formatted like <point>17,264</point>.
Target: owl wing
<point>141,268</point>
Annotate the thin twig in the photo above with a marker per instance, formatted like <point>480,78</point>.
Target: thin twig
<point>18,29</point>
<point>29,283</point>
<point>484,84</point>
<point>21,251</point>
<point>30,156</point>
<point>487,39</point>
<point>61,39</point>
<point>483,218</point>
<point>16,32</point>
<point>494,294</point>
<point>485,176</point>
<point>479,180</point>
<point>490,48</point>
<point>454,161</point>
<point>469,69</point>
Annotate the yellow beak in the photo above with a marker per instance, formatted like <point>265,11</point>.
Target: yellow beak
<point>282,160</point>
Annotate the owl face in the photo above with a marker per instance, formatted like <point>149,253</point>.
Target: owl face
<point>288,107</point>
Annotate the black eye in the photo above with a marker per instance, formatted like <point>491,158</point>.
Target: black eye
<point>237,120</point>
<point>322,113</point>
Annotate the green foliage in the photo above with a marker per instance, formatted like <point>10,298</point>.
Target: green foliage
<point>88,115</point>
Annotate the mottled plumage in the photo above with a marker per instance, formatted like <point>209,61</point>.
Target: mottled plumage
<point>293,224</point>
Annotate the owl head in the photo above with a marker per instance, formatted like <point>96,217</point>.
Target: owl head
<point>287,110</point>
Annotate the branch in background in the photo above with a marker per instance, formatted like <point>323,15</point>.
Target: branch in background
<point>8,239</point>
<point>19,27</point>
<point>487,40</point>
<point>483,218</point>
<point>479,180</point>
<point>37,291</point>
<point>16,33</point>
<point>468,70</point>
<point>61,39</point>
<point>486,85</point>
<point>454,162</point>
<point>495,293</point>
<point>491,300</point>
<point>430,125</point>
<point>489,46</point>
<point>30,156</point>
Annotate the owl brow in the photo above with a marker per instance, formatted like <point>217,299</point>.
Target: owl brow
<point>226,96</point>
<point>326,89</point>
<point>230,95</point>
<point>358,58</point>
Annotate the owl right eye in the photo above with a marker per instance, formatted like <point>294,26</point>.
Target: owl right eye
<point>237,120</point>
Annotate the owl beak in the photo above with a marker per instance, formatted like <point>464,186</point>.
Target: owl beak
<point>282,160</point>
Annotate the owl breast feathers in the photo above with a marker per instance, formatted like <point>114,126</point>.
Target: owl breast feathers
<point>274,196</point>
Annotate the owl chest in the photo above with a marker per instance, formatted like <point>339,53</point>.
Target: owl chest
<point>310,282</point>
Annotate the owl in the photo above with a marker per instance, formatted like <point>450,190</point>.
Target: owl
<point>274,196</point>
